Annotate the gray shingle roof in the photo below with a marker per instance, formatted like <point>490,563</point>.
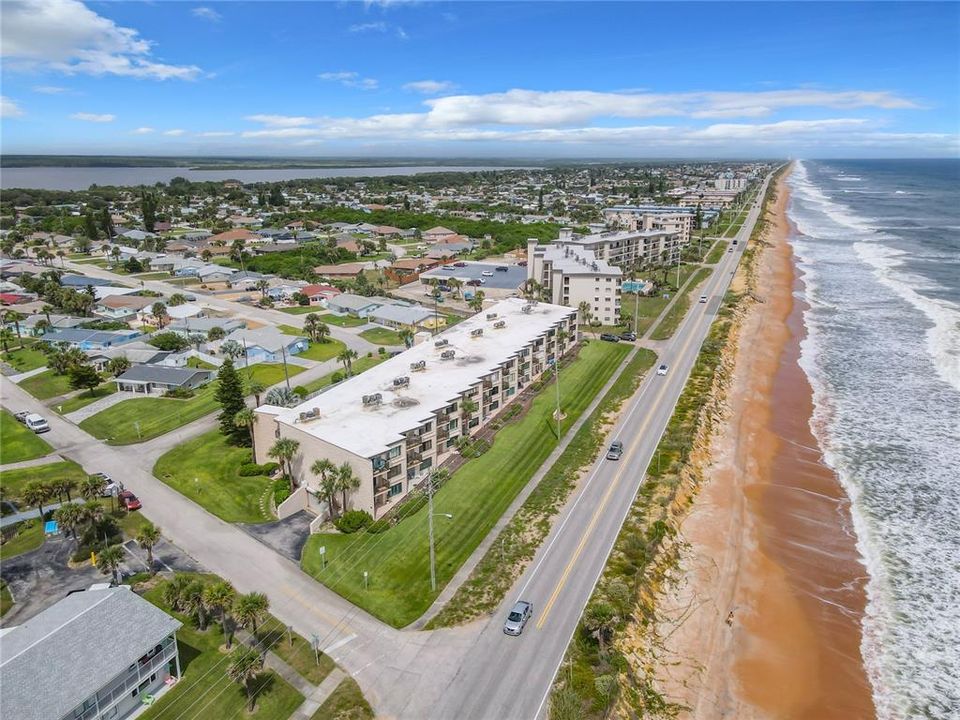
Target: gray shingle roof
<point>162,374</point>
<point>59,658</point>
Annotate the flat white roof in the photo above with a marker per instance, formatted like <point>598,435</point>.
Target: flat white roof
<point>367,430</point>
<point>576,260</point>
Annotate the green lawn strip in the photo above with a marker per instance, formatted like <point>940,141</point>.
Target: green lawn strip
<point>205,690</point>
<point>141,419</point>
<point>290,330</point>
<point>151,276</point>
<point>87,397</point>
<point>382,336</point>
<point>716,253</point>
<point>26,358</point>
<point>345,703</point>
<point>517,543</point>
<point>46,385</point>
<point>6,599</point>
<point>18,443</point>
<point>14,481</point>
<point>477,495</point>
<point>21,537</point>
<point>196,362</point>
<point>343,320</point>
<point>299,655</point>
<point>299,309</point>
<point>671,321</point>
<point>323,350</point>
<point>206,469</point>
<point>359,365</point>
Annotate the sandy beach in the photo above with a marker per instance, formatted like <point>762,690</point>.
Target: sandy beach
<point>764,621</point>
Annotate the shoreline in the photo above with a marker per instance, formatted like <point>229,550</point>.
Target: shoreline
<point>765,620</point>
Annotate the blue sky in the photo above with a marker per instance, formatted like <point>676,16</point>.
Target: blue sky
<point>539,79</point>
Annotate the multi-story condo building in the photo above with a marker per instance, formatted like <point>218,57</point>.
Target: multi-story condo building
<point>403,417</point>
<point>570,275</point>
<point>727,182</point>
<point>94,655</point>
<point>627,248</point>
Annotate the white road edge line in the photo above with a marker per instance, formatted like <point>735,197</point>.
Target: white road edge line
<point>339,644</point>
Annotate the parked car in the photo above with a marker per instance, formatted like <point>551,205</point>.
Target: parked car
<point>473,282</point>
<point>110,486</point>
<point>487,273</point>
<point>609,337</point>
<point>444,288</point>
<point>703,298</point>
<point>459,264</point>
<point>129,501</point>
<point>629,336</point>
<point>662,370</point>
<point>36,423</point>
<point>518,617</point>
<point>734,242</point>
<point>21,416</point>
<point>522,263</point>
<point>615,451</point>
<point>502,268</point>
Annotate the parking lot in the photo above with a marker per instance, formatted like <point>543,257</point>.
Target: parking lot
<point>509,280</point>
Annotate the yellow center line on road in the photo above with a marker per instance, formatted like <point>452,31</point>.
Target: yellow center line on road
<point>596,515</point>
<point>291,592</point>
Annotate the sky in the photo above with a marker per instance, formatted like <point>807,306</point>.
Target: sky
<point>481,79</point>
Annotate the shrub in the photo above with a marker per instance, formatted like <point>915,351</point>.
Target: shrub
<point>378,526</point>
<point>353,520</point>
<point>416,500</point>
<point>179,393</point>
<point>281,490</point>
<point>381,350</point>
<point>249,469</point>
<point>300,390</point>
<point>270,468</point>
<point>336,377</point>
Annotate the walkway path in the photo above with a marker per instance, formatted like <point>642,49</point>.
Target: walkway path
<point>77,416</point>
<point>24,375</point>
<point>52,458</point>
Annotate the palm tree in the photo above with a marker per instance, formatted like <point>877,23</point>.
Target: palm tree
<point>250,610</point>
<point>71,518</point>
<point>148,536</point>
<point>263,286</point>
<point>245,667</point>
<point>6,337</point>
<point>455,286</point>
<point>93,513</point>
<point>36,493</point>
<point>245,419</point>
<point>92,487</point>
<point>231,349</point>
<point>327,472</point>
<point>108,561</point>
<point>256,389</point>
<point>12,316</point>
<point>283,451</point>
<point>218,598</point>
<point>586,315</point>
<point>177,299</point>
<point>406,334</point>
<point>531,289</point>
<point>159,311</point>
<point>346,481</point>
<point>174,591</point>
<point>476,302</point>
<point>346,358</point>
<point>599,619</point>
<point>65,486</point>
<point>311,325</point>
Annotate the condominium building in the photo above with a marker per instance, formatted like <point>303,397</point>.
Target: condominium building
<point>627,248</point>
<point>94,655</point>
<point>396,421</point>
<point>675,220</point>
<point>570,275</point>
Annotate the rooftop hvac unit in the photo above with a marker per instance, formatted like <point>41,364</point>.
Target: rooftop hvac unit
<point>476,333</point>
<point>441,343</point>
<point>418,365</point>
<point>594,266</point>
<point>500,324</point>
<point>447,355</point>
<point>527,308</point>
<point>491,316</point>
<point>311,414</point>
<point>401,381</point>
<point>372,399</point>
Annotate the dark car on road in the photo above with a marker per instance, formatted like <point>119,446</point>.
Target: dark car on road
<point>615,451</point>
<point>628,336</point>
<point>518,617</point>
<point>609,337</point>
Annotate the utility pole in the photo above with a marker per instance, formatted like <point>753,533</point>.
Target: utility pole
<point>556,370</point>
<point>286,375</point>
<point>636,307</point>
<point>430,513</point>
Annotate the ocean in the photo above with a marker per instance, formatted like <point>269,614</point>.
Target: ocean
<point>878,247</point>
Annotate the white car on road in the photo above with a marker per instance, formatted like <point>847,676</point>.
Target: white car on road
<point>662,370</point>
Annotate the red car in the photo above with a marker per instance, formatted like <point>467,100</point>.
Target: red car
<point>129,500</point>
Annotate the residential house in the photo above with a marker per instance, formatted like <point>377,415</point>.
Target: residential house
<point>355,305</point>
<point>345,270</point>
<point>94,655</point>
<point>409,317</point>
<point>268,344</point>
<point>230,236</point>
<point>319,294</point>
<point>215,273</point>
<point>28,325</point>
<point>436,234</point>
<point>137,352</point>
<point>159,379</point>
<point>203,325</point>
<point>90,339</point>
<point>82,281</point>
<point>122,307</point>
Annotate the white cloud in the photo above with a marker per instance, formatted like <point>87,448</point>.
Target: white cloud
<point>350,79</point>
<point>176,132</point>
<point>402,34</point>
<point>216,133</point>
<point>430,87</point>
<point>66,36</point>
<point>93,117</point>
<point>48,89</point>
<point>279,120</point>
<point>207,13</point>
<point>143,131</point>
<point>380,27</point>
<point>287,132</point>
<point>8,108</point>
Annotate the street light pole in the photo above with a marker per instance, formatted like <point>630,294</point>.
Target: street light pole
<point>430,514</point>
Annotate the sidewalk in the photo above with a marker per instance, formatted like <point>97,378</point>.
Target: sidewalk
<point>51,458</point>
<point>77,416</point>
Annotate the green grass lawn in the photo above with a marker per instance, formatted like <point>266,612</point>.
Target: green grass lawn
<point>290,330</point>
<point>345,703</point>
<point>23,537</point>
<point>300,309</point>
<point>141,419</point>
<point>323,351</point>
<point>648,308</point>
<point>87,397</point>
<point>152,276</point>
<point>716,253</point>
<point>46,385</point>
<point>196,362</point>
<point>207,470</point>
<point>205,690</point>
<point>382,336</point>
<point>476,496</point>
<point>671,321</point>
<point>17,443</point>
<point>14,480</point>
<point>343,320</point>
<point>300,656</point>
<point>6,599</point>
<point>26,358</point>
<point>359,365</point>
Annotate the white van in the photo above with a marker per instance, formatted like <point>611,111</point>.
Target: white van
<point>36,423</point>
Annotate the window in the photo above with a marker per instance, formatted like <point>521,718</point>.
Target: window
<point>426,464</point>
<point>394,471</point>
<point>451,442</point>
<point>474,422</point>
<point>452,425</point>
<point>394,452</point>
<point>395,490</point>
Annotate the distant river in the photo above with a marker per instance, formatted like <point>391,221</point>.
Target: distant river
<point>81,178</point>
